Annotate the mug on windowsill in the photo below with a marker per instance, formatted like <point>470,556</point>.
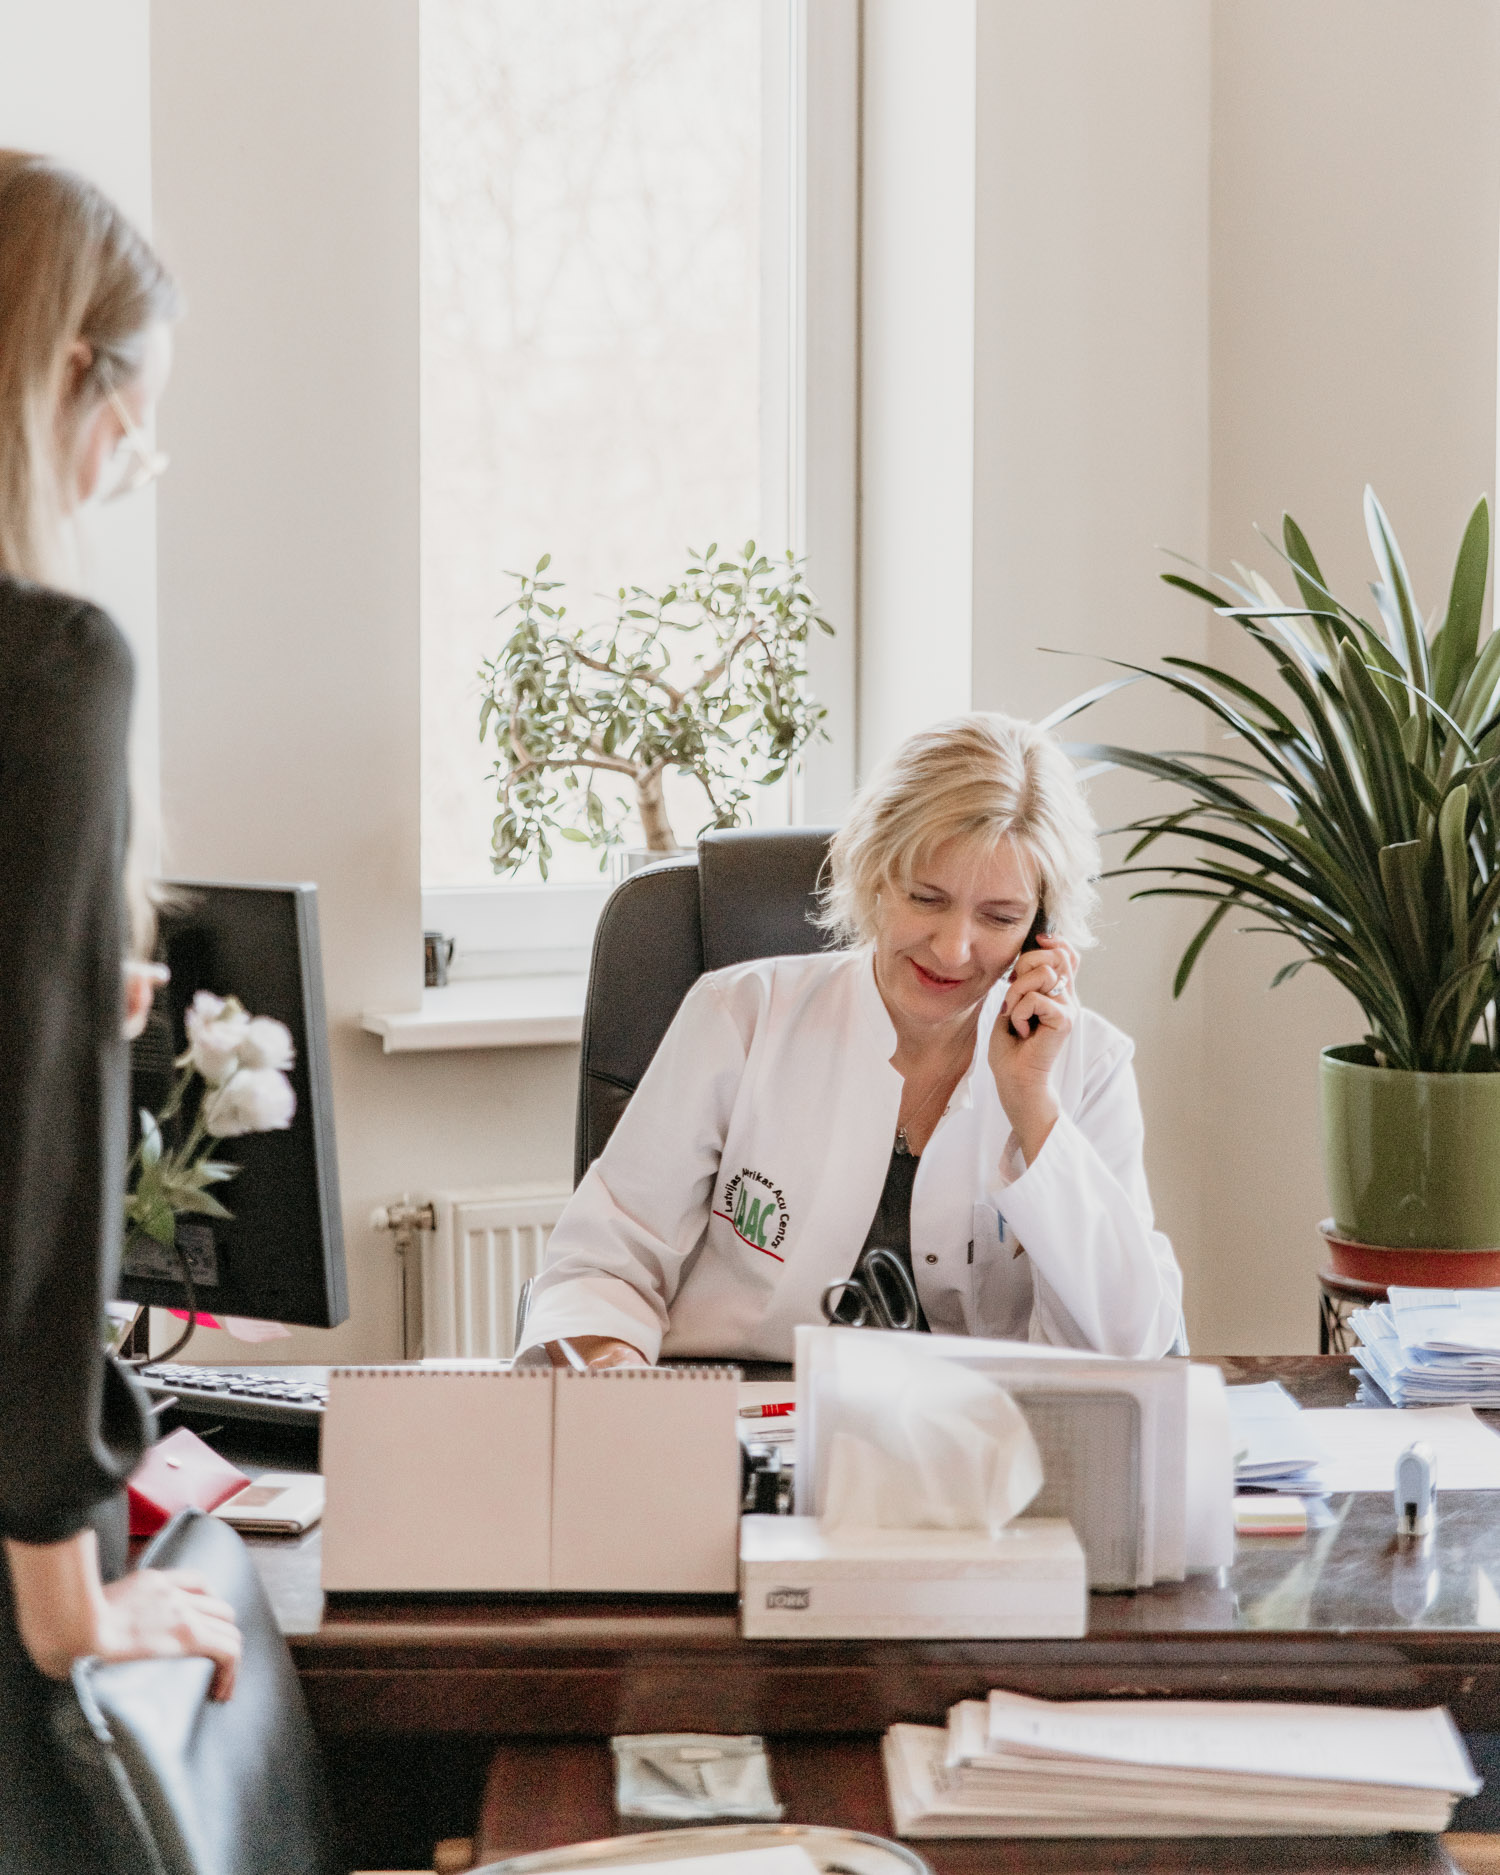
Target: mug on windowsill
<point>437,954</point>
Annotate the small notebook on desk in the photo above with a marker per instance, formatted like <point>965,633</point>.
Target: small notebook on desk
<point>493,1479</point>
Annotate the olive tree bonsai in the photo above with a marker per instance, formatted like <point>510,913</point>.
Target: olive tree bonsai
<point>707,677</point>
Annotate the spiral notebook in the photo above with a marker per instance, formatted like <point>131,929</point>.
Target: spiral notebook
<point>495,1480</point>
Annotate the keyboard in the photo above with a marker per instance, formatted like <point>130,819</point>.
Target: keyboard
<point>281,1396</point>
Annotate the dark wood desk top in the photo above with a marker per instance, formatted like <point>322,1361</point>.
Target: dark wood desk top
<point>1336,1614</point>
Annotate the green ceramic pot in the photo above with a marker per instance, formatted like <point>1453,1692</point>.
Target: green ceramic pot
<point>1411,1160</point>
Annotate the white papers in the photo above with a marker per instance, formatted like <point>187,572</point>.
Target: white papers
<point>1274,1447</point>
<point>1444,1321</point>
<point>1027,1767</point>
<point>1345,1744</point>
<point>1361,1446</point>
<point>1432,1346</point>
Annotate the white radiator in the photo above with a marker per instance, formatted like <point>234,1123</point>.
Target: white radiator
<point>485,1245</point>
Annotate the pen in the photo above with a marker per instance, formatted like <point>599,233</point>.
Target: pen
<point>777,1410</point>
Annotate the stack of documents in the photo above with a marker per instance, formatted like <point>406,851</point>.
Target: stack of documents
<point>1433,1347</point>
<point>1014,1766</point>
<point>1274,1450</point>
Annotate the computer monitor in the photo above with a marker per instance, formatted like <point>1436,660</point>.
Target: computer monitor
<point>280,1257</point>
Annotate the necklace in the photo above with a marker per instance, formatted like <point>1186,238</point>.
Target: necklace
<point>903,1144</point>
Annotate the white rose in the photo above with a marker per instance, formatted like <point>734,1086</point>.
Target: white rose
<point>215,1029</point>
<point>267,1044</point>
<point>256,1100</point>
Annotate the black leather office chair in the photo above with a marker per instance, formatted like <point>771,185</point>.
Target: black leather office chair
<point>751,893</point>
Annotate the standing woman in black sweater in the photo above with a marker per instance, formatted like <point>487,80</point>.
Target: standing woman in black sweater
<point>85,315</point>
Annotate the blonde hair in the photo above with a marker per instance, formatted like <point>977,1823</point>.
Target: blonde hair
<point>979,779</point>
<point>72,269</point>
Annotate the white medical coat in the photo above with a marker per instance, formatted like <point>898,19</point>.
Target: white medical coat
<point>743,1177</point>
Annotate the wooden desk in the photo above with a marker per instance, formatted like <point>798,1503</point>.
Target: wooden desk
<point>405,1685</point>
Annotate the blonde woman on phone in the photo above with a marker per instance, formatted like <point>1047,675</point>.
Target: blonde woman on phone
<point>85,344</point>
<point>931,1092</point>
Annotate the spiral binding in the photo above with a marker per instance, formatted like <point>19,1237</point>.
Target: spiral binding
<point>650,1373</point>
<point>408,1371</point>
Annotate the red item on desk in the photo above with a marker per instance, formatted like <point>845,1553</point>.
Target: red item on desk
<point>178,1473</point>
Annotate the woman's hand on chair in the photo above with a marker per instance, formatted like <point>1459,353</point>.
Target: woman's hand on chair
<point>596,1351</point>
<point>64,1612</point>
<point>166,1614</point>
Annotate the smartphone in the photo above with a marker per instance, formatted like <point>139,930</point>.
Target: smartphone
<point>1029,943</point>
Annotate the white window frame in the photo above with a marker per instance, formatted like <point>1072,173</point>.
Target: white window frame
<point>809,455</point>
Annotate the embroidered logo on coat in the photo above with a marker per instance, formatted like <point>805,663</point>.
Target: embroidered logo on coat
<point>756,1211</point>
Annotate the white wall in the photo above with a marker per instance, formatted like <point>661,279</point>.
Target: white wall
<point>1356,223</point>
<point>1091,446</point>
<point>286,199</point>
<point>75,84</point>
<point>1035,411</point>
<point>917,368</point>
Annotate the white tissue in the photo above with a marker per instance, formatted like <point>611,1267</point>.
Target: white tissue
<point>919,1443</point>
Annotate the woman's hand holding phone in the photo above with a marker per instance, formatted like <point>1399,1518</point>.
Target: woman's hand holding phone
<point>1035,1020</point>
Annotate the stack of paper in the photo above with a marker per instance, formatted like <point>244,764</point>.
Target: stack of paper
<point>1433,1347</point>
<point>1273,1448</point>
<point>1032,1767</point>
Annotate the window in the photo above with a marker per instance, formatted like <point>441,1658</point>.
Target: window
<point>612,297</point>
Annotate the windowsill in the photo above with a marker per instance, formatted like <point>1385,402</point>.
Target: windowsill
<point>490,1012</point>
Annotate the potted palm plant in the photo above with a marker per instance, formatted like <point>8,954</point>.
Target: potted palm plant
<point>1354,807</point>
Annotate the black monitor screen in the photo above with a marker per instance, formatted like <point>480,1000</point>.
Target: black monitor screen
<point>280,1257</point>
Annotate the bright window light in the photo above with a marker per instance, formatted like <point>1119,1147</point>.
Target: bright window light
<point>595,337</point>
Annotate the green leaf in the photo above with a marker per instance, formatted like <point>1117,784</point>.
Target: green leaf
<point>1401,869</point>
<point>200,1204</point>
<point>1410,640</point>
<point>1195,949</point>
<point>574,833</point>
<point>1305,569</point>
<point>1065,711</point>
<point>1457,642</point>
<point>1453,821</point>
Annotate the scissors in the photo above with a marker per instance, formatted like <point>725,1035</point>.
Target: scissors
<point>883,1293</point>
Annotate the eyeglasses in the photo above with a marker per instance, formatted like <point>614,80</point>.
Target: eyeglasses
<point>134,464</point>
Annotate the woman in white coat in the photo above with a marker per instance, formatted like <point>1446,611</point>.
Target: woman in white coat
<point>932,1088</point>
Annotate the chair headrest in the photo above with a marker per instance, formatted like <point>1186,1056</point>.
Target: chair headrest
<point>757,891</point>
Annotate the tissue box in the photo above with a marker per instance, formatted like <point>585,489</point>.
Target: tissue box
<point>1028,1583</point>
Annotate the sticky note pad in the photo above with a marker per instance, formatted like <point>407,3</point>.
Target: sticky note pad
<point>1260,1515</point>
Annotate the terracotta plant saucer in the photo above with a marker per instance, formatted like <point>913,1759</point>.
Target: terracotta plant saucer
<point>1414,1269</point>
